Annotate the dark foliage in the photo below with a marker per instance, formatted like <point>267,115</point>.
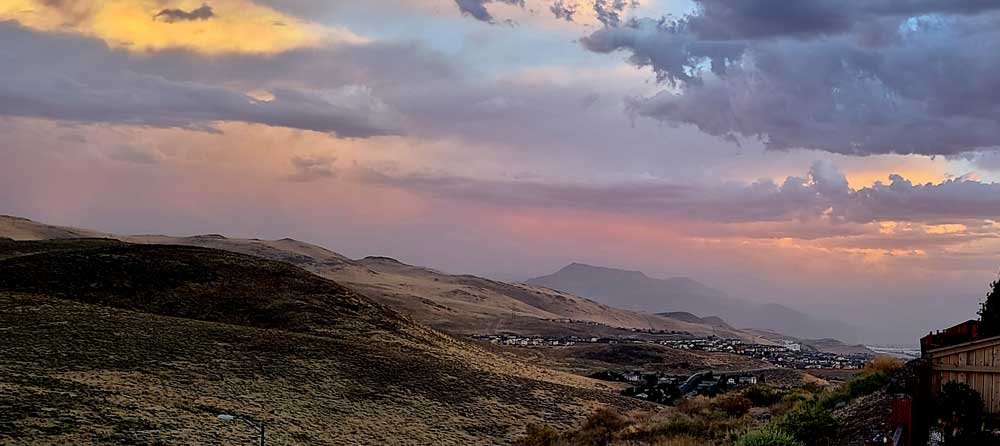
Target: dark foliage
<point>767,438</point>
<point>732,404</point>
<point>810,423</point>
<point>761,395</point>
<point>539,435</point>
<point>599,429</point>
<point>989,311</point>
<point>960,414</point>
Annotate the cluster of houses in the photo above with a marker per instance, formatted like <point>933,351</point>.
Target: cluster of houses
<point>666,389</point>
<point>542,341</point>
<point>787,354</point>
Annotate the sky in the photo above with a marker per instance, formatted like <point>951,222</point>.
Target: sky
<point>836,156</point>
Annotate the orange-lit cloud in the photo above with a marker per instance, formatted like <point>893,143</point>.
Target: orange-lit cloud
<point>138,25</point>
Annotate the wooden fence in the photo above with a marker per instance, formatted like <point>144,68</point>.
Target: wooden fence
<point>975,363</point>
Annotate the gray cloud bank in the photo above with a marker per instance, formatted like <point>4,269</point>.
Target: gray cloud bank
<point>70,78</point>
<point>850,77</point>
<point>821,194</point>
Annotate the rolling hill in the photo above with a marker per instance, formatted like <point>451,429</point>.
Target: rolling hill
<point>636,291</point>
<point>105,342</point>
<point>460,304</point>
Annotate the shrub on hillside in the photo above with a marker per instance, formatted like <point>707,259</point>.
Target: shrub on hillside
<point>761,395</point>
<point>886,365</point>
<point>810,423</point>
<point>813,388</point>
<point>599,429</point>
<point>732,404</point>
<point>679,441</point>
<point>539,435</point>
<point>867,385</point>
<point>767,438</point>
<point>710,427</point>
<point>694,406</point>
<point>858,387</point>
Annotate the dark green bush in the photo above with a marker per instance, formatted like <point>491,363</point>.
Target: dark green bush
<point>767,438</point>
<point>867,384</point>
<point>960,414</point>
<point>810,423</point>
<point>761,395</point>
<point>856,388</point>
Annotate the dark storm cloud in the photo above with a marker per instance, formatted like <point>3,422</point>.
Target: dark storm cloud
<point>179,15</point>
<point>477,8</point>
<point>822,193</point>
<point>889,76</point>
<point>77,79</point>
<point>723,19</point>
<point>755,19</point>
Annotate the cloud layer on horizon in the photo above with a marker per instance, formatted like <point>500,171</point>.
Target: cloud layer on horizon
<point>822,194</point>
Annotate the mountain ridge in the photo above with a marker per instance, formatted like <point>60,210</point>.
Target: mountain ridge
<point>637,291</point>
<point>461,304</point>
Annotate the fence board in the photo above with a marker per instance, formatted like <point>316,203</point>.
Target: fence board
<point>974,364</point>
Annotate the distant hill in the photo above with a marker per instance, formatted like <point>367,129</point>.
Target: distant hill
<point>104,342</point>
<point>18,228</point>
<point>636,291</point>
<point>460,304</point>
<point>713,321</point>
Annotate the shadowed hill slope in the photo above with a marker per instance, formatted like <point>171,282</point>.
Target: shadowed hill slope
<point>193,283</point>
<point>103,342</point>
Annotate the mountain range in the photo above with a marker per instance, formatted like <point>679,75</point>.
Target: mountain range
<point>636,291</point>
<point>579,299</point>
<point>461,304</point>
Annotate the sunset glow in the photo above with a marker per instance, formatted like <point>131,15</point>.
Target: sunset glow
<point>506,141</point>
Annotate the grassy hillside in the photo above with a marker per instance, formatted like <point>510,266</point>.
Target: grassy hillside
<point>109,343</point>
<point>190,282</point>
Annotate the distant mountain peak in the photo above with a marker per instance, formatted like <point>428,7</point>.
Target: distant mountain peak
<point>577,267</point>
<point>634,290</point>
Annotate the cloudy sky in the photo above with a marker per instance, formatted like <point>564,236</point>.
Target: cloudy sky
<point>837,156</point>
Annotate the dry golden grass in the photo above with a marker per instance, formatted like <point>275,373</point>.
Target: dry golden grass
<point>319,363</point>
<point>883,364</point>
